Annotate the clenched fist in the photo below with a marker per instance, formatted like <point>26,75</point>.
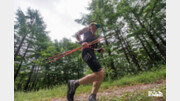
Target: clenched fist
<point>85,44</point>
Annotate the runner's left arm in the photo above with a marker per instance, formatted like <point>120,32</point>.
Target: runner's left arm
<point>100,50</point>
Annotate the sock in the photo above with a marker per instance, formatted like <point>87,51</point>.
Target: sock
<point>76,83</point>
<point>93,95</point>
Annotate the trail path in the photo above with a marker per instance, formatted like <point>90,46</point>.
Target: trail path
<point>116,91</point>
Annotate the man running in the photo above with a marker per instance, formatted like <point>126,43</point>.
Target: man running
<point>89,57</point>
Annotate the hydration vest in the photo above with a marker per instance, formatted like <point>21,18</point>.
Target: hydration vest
<point>89,37</point>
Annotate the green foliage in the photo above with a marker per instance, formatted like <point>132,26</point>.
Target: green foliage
<point>109,74</point>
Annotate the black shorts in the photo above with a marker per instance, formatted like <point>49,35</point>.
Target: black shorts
<point>89,57</point>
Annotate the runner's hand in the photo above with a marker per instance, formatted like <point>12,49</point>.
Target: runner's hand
<point>85,44</point>
<point>101,50</point>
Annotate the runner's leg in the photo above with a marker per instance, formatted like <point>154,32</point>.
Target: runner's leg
<point>96,76</point>
<point>97,84</point>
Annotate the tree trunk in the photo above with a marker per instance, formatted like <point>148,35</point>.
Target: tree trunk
<point>162,40</point>
<point>20,82</point>
<point>157,45</point>
<point>19,47</point>
<point>35,79</point>
<point>153,52</point>
<point>19,67</point>
<point>146,50</point>
<point>29,78</point>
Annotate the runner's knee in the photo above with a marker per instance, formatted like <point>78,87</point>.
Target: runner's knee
<point>100,75</point>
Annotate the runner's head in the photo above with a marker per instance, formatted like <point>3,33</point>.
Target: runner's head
<point>94,25</point>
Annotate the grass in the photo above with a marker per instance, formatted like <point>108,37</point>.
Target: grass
<point>60,91</point>
<point>43,94</point>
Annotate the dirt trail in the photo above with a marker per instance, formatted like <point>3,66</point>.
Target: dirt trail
<point>116,91</point>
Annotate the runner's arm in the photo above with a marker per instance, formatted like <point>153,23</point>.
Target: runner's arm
<point>100,50</point>
<point>79,33</point>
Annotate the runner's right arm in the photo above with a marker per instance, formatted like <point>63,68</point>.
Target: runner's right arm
<point>79,33</point>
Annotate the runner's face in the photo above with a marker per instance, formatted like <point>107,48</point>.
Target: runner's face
<point>94,27</point>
